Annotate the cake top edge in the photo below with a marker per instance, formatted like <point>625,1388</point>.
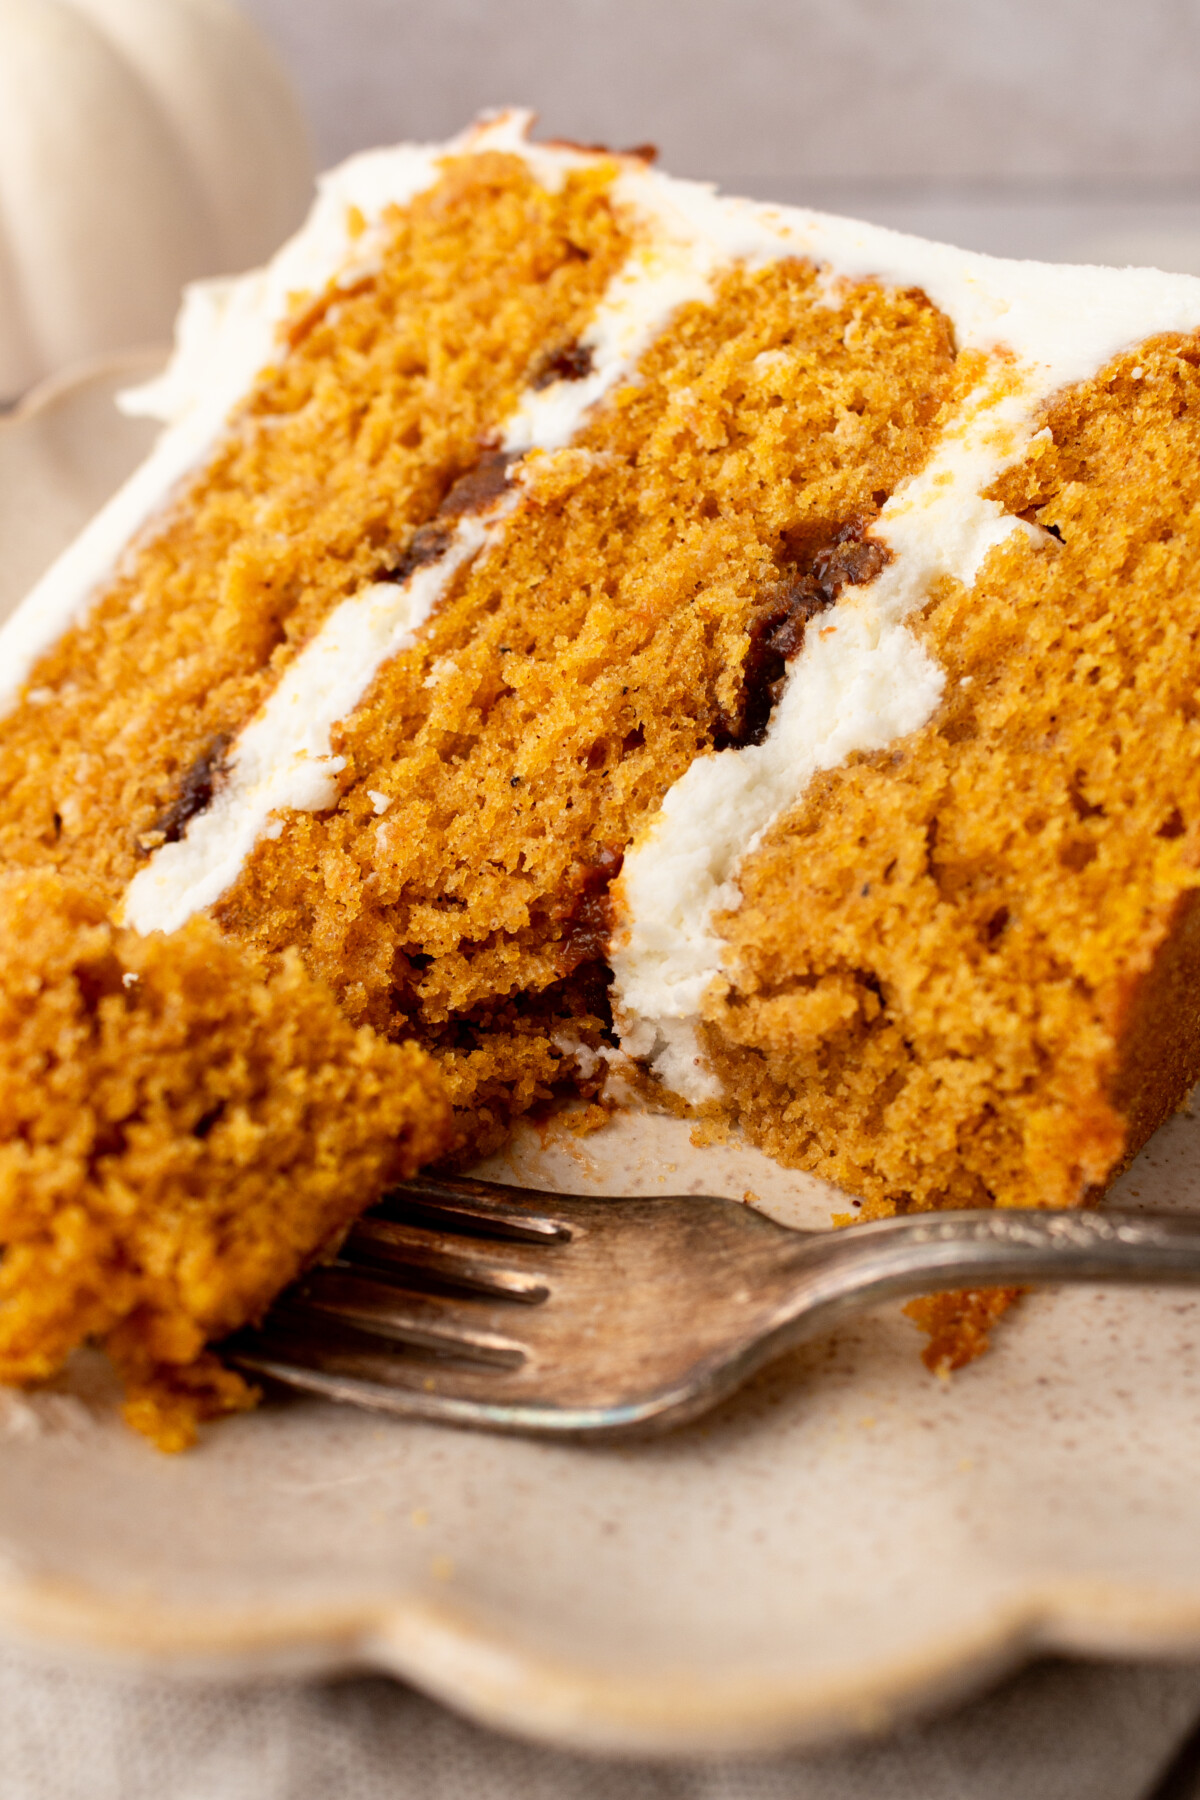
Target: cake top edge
<point>1069,318</point>
<point>509,129</point>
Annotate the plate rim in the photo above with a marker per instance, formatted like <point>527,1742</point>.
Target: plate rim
<point>440,1650</point>
<point>137,363</point>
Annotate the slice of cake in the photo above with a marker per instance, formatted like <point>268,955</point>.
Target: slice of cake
<point>587,619</point>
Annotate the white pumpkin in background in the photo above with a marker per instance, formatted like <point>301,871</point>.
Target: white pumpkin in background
<point>143,143</point>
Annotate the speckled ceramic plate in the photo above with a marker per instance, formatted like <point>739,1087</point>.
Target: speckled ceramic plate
<point>847,1542</point>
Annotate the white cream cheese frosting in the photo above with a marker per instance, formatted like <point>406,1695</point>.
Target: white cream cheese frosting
<point>284,759</point>
<point>861,679</point>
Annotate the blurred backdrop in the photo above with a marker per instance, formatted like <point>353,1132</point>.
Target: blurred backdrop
<point>1051,128</point>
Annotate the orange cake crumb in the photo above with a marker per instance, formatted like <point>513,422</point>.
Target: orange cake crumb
<point>959,1324</point>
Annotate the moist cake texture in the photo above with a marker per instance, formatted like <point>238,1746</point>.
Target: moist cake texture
<point>579,622</point>
<point>1023,867</point>
<point>182,1130</point>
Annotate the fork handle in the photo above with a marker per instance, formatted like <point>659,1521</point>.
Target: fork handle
<point>926,1253</point>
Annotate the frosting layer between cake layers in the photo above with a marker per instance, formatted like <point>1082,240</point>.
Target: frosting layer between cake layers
<point>860,681</point>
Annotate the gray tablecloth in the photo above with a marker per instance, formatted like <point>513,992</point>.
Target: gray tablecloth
<point>1059,1731</point>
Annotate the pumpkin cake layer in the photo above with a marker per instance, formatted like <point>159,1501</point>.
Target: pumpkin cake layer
<point>975,954</point>
<point>590,622</point>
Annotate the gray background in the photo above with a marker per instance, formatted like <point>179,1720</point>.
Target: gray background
<point>1056,128</point>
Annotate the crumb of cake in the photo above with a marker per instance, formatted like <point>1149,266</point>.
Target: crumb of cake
<point>182,1129</point>
<point>959,1324</point>
<point>168,1402</point>
<point>713,1127</point>
<point>582,1121</point>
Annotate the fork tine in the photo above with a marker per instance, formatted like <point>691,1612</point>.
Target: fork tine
<point>387,1244</point>
<point>483,1208</point>
<point>333,1296</point>
<point>387,1379</point>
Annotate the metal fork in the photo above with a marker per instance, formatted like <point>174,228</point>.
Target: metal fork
<point>516,1310</point>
